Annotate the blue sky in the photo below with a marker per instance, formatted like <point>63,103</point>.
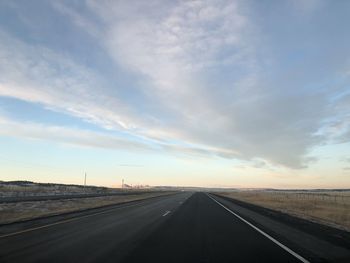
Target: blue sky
<point>206,93</point>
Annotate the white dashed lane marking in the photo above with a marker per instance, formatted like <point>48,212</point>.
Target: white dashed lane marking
<point>166,213</point>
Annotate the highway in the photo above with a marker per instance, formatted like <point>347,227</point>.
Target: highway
<point>182,227</point>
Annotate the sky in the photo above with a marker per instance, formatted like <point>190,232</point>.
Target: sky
<point>184,93</point>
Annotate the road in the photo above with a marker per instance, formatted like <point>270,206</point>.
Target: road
<point>182,227</point>
<point>202,231</point>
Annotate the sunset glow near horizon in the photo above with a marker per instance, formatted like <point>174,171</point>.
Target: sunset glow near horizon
<point>182,93</point>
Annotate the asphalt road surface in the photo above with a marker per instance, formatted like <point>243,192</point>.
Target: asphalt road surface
<point>182,227</point>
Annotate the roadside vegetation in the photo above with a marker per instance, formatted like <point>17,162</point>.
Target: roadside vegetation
<point>27,188</point>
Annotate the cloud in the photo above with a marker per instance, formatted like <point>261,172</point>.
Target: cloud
<point>78,19</point>
<point>345,159</point>
<point>67,135</point>
<point>40,75</point>
<point>336,127</point>
<point>241,113</point>
<point>218,82</point>
<point>87,138</point>
<point>305,7</point>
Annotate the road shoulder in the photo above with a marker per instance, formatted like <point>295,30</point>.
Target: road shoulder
<point>317,242</point>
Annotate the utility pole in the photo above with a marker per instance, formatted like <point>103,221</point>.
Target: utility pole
<point>85,180</point>
<point>122,183</point>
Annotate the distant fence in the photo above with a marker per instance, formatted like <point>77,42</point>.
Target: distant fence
<point>336,198</point>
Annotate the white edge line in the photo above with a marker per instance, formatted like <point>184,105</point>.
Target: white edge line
<point>262,232</point>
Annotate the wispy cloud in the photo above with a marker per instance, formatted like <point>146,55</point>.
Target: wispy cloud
<point>40,75</point>
<point>69,136</point>
<point>93,139</point>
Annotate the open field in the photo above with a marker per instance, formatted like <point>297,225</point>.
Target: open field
<point>26,188</point>
<point>326,207</point>
<point>19,211</point>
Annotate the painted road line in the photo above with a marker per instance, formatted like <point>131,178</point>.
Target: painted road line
<point>64,221</point>
<point>166,213</point>
<point>121,205</point>
<point>262,232</point>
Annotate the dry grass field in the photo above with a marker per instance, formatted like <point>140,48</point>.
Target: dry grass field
<point>326,207</point>
<point>13,212</point>
<point>18,189</point>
